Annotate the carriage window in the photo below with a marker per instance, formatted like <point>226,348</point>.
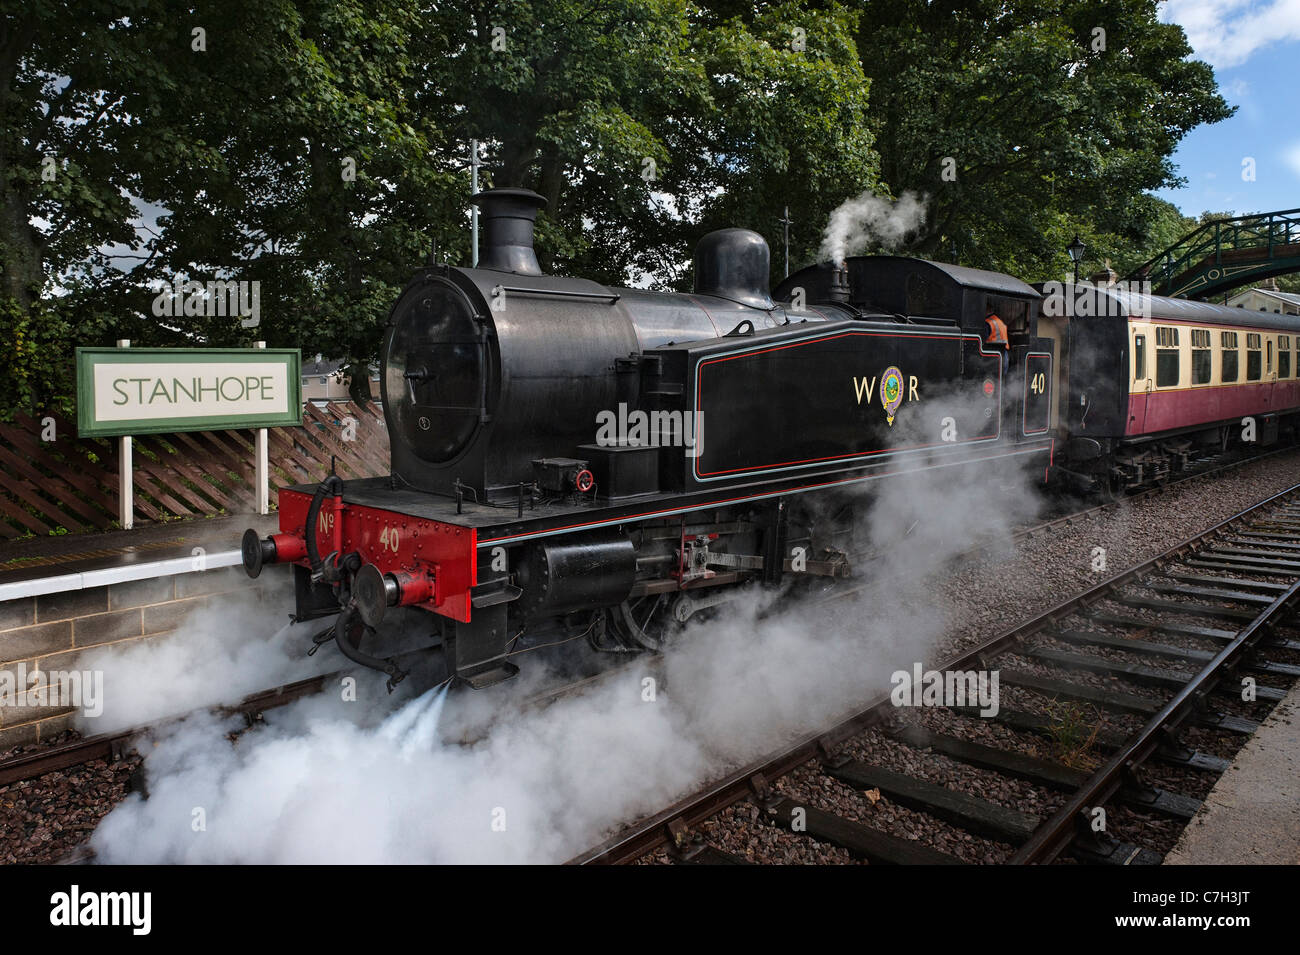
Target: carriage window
<point>1201,356</point>
<point>1254,359</point>
<point>1139,357</point>
<point>1229,342</point>
<point>1167,370</point>
<point>1284,356</point>
<point>1268,356</point>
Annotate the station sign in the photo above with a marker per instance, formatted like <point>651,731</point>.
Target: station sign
<point>127,391</point>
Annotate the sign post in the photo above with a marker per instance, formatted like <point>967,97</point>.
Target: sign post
<point>125,475</point>
<point>263,466</point>
<point>166,390</point>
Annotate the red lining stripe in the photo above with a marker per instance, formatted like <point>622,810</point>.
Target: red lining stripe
<point>958,340</point>
<point>752,497</point>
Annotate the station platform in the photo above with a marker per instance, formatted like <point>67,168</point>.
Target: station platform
<point>1252,816</point>
<point>47,565</point>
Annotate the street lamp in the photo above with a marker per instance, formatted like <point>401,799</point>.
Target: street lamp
<point>1076,250</point>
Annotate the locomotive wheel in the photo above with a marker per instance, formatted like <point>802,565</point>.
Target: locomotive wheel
<point>641,621</point>
<point>1108,488</point>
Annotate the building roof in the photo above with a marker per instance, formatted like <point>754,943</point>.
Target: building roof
<point>318,369</point>
<point>1291,298</point>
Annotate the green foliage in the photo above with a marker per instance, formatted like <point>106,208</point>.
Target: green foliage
<point>1073,733</point>
<point>39,343</point>
<point>231,158</point>
<point>236,161</point>
<point>1037,121</point>
<point>647,123</point>
<point>1152,226</point>
<point>1289,283</point>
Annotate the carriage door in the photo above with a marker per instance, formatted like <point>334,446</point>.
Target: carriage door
<point>1269,376</point>
<point>1139,386</point>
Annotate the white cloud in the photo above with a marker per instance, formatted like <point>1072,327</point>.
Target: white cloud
<point>1235,90</point>
<point>1291,156</point>
<point>1227,32</point>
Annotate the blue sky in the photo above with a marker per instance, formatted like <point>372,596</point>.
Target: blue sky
<point>1254,46</point>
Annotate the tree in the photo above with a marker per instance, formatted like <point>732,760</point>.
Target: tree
<point>1152,226</point>
<point>319,148</point>
<point>270,143</point>
<point>646,123</point>
<point>77,90</point>
<point>1012,117</point>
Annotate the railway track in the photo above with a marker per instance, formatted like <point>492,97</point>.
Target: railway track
<point>1158,652</point>
<point>112,746</point>
<point>1210,469</point>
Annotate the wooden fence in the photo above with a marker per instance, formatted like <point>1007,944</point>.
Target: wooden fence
<point>70,484</point>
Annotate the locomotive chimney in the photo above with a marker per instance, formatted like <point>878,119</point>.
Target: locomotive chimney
<point>839,290</point>
<point>508,216</point>
<point>734,264</point>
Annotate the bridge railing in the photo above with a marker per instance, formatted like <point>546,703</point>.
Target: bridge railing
<point>1264,232</point>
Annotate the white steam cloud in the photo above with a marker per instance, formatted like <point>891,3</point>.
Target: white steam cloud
<point>404,781</point>
<point>223,651</point>
<point>871,220</point>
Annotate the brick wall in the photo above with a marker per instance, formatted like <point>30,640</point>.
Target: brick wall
<point>48,633</point>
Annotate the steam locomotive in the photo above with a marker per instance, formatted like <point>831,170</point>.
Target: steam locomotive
<point>570,458</point>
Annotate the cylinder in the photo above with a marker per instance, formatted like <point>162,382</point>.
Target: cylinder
<point>592,571</point>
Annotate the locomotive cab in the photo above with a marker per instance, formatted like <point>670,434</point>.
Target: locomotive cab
<point>917,291</point>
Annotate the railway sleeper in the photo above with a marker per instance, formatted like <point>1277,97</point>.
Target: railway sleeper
<point>1171,752</point>
<point>981,817</point>
<point>975,815</point>
<point>709,855</point>
<point>1280,557</point>
<point>1218,593</point>
<point>1268,541</point>
<point>1239,568</point>
<point>1097,848</point>
<point>1149,676</point>
<point>1177,606</point>
<point>1124,702</point>
<point>1089,638</point>
<point>1187,630</point>
<point>1043,772</point>
<point>858,839</point>
<point>1266,585</point>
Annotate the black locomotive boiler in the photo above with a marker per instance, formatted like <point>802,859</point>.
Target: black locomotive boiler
<point>575,458</point>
